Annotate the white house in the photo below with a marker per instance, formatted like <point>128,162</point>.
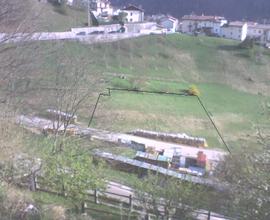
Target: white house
<point>258,32</point>
<point>70,2</point>
<point>104,7</point>
<point>236,30</point>
<point>101,8</point>
<point>134,14</point>
<point>265,38</point>
<point>169,23</point>
<point>210,25</point>
<point>267,35</point>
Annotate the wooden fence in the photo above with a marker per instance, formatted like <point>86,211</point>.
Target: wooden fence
<point>128,205</point>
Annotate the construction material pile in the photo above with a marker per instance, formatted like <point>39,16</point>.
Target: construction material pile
<point>61,116</point>
<point>172,137</point>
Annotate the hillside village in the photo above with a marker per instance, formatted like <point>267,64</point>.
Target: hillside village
<point>215,26</point>
<point>108,116</point>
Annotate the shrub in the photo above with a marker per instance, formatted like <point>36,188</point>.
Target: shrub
<point>14,202</point>
<point>121,83</point>
<point>193,90</point>
<point>248,43</point>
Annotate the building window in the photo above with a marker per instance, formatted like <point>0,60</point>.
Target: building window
<point>131,13</point>
<point>131,20</point>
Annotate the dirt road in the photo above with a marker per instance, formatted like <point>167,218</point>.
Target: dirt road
<point>187,151</point>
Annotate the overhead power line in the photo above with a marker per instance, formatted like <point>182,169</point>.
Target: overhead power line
<point>159,93</point>
<point>211,120</point>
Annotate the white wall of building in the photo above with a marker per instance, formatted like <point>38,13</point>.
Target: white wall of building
<point>259,32</point>
<point>255,32</point>
<point>235,32</point>
<point>267,37</point>
<point>189,26</point>
<point>141,27</point>
<point>170,24</point>
<point>214,25</point>
<point>104,7</point>
<point>130,28</point>
<point>70,2</point>
<point>134,16</point>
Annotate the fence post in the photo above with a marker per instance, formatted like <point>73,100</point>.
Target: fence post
<point>209,215</point>
<point>83,207</point>
<point>96,196</point>
<point>32,182</point>
<point>130,201</point>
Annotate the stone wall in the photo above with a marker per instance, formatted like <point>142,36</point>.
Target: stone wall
<point>130,28</point>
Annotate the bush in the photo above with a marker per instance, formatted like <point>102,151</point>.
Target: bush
<point>59,6</point>
<point>248,43</point>
<point>13,203</point>
<point>121,83</point>
<point>193,90</point>
<point>55,212</point>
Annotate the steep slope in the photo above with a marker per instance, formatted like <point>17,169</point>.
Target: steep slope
<point>234,83</point>
<point>33,15</point>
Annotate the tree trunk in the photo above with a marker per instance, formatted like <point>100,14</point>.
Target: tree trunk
<point>32,182</point>
<point>83,207</point>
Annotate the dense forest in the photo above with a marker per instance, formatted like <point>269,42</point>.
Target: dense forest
<point>232,9</point>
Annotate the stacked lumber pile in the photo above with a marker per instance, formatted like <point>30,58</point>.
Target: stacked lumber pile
<point>172,138</point>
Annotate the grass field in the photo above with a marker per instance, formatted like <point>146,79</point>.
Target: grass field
<point>53,206</point>
<point>174,58</point>
<point>234,112</point>
<point>60,19</point>
<point>36,16</point>
<point>234,84</point>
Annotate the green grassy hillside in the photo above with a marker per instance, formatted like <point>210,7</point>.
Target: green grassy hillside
<point>234,83</point>
<point>234,86</point>
<point>54,18</point>
<point>36,16</point>
<point>179,58</point>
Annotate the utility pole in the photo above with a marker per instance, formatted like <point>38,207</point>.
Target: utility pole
<point>209,215</point>
<point>89,13</point>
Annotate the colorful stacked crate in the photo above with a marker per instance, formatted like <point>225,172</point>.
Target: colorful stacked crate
<point>201,159</point>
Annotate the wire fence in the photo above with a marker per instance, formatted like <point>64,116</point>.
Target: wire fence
<point>182,94</point>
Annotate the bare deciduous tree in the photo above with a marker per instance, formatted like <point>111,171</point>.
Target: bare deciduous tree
<point>14,67</point>
<point>247,172</point>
